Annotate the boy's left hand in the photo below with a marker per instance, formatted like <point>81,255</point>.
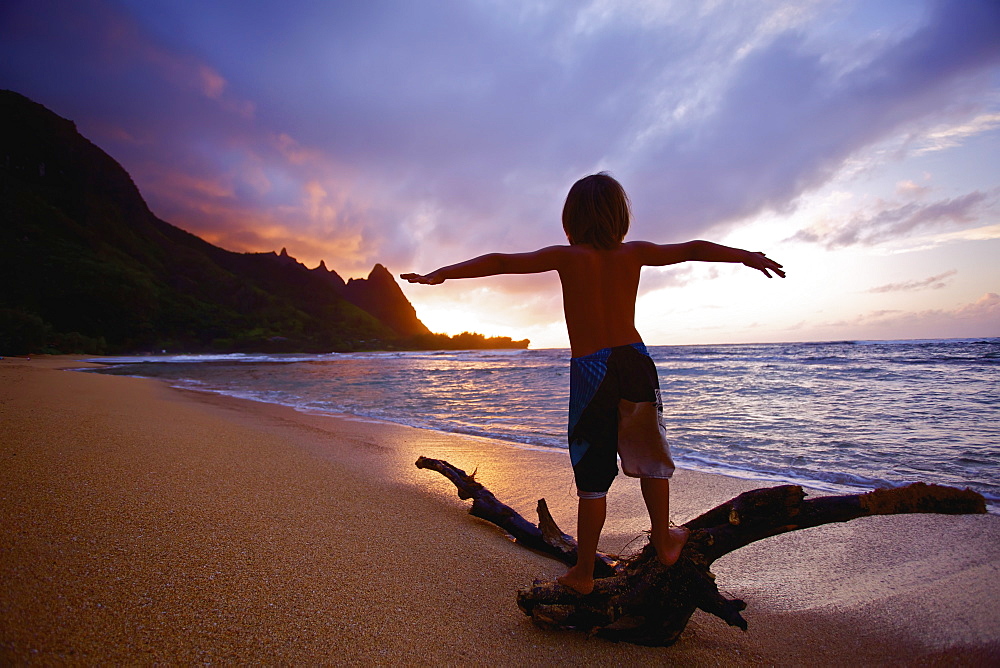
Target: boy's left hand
<point>762,263</point>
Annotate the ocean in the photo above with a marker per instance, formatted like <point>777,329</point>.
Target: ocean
<point>843,417</point>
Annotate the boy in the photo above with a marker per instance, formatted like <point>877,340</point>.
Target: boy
<point>615,408</point>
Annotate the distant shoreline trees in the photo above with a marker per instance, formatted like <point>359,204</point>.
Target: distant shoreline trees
<point>463,341</point>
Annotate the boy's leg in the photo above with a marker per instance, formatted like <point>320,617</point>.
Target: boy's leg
<point>668,542</point>
<point>590,521</point>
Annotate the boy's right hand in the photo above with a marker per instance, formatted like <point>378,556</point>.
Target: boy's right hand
<point>430,279</point>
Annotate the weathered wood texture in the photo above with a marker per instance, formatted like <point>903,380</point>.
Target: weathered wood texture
<point>639,600</point>
<point>545,537</point>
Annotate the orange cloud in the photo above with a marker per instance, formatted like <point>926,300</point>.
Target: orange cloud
<point>212,83</point>
<point>985,308</point>
<point>295,153</point>
<point>320,225</point>
<point>185,187</point>
<point>124,44</point>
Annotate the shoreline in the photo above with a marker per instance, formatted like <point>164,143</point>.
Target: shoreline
<point>145,523</point>
<point>818,452</point>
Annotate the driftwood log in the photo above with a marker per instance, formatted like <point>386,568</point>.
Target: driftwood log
<point>638,600</point>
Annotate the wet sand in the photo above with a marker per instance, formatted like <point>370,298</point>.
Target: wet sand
<point>145,524</point>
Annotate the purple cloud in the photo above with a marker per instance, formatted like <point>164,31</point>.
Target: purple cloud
<point>933,283</point>
<point>792,117</point>
<point>465,123</point>
<point>895,222</point>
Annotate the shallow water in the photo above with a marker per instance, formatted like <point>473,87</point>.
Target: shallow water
<point>840,416</point>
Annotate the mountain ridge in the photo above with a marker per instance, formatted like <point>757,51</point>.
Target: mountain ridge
<point>87,267</point>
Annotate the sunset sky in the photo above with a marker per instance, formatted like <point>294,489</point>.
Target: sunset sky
<point>858,143</point>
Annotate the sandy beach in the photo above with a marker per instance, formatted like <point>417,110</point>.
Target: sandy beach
<point>143,524</point>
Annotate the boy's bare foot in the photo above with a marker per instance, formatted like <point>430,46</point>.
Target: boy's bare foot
<point>581,583</point>
<point>668,550</point>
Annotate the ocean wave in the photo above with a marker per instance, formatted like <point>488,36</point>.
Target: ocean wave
<point>843,417</point>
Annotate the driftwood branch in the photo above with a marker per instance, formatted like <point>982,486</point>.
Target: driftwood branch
<point>545,537</point>
<point>760,513</point>
<point>639,600</point>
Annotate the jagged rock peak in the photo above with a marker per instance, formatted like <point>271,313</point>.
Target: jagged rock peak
<point>379,271</point>
<point>380,295</point>
<point>287,259</point>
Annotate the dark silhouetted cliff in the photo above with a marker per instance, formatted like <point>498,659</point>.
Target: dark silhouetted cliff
<point>379,294</point>
<point>86,267</point>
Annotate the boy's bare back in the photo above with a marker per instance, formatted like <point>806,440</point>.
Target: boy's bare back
<point>599,289</point>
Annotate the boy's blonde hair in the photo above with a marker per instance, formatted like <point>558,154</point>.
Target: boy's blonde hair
<point>597,212</point>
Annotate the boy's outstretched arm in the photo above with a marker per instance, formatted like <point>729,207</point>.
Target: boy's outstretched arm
<point>492,264</point>
<point>705,251</point>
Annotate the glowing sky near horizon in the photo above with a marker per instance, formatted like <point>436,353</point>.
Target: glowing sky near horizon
<point>856,142</point>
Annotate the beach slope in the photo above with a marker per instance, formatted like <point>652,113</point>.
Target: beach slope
<point>142,524</point>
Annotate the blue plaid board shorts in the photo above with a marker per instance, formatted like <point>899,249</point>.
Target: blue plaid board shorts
<point>615,411</point>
